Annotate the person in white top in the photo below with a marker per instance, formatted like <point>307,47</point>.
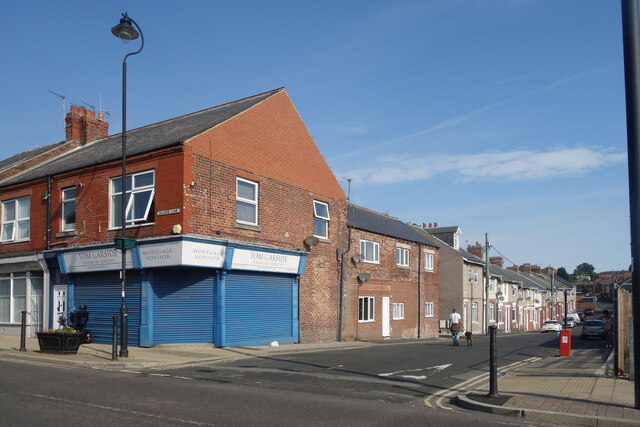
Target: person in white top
<point>455,326</point>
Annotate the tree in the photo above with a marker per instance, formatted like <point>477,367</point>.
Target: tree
<point>586,269</point>
<point>562,273</point>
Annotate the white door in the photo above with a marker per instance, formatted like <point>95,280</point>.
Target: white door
<point>59,304</point>
<point>385,317</point>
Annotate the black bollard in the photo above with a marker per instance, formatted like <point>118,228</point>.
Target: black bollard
<point>493,362</point>
<point>23,331</point>
<point>114,344</point>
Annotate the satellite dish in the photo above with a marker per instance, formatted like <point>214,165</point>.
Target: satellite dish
<point>363,277</point>
<point>311,241</point>
<point>356,258</point>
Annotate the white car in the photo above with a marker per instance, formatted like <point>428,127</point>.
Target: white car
<point>551,325</point>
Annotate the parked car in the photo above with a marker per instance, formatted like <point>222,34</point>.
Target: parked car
<point>581,315</point>
<point>574,316</point>
<point>571,322</point>
<point>551,325</point>
<point>589,312</point>
<point>592,328</point>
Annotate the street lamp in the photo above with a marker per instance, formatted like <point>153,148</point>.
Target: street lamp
<point>125,32</point>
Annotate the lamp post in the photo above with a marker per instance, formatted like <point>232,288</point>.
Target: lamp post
<point>125,32</point>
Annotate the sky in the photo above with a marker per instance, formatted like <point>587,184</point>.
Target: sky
<point>504,117</point>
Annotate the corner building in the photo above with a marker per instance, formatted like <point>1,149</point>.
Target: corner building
<point>236,217</point>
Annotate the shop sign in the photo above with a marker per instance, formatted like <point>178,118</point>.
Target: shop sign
<point>96,260</point>
<point>245,259</point>
<point>197,254</point>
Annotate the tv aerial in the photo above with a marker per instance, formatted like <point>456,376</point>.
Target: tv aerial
<point>62,97</point>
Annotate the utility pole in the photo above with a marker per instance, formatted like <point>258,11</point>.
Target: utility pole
<point>487,279</point>
<point>553,298</point>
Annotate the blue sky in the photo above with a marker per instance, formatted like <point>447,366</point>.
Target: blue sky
<point>504,117</point>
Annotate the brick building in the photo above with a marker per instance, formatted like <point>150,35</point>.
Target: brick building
<point>390,279</point>
<point>236,215</point>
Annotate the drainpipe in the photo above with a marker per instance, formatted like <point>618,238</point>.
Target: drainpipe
<point>341,282</point>
<point>419,288</point>
<point>48,212</point>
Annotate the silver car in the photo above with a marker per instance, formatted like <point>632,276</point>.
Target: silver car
<point>592,328</point>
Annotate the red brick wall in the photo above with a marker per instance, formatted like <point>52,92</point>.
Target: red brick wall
<point>387,279</point>
<point>92,203</point>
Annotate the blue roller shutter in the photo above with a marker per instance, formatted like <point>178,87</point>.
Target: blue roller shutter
<point>183,306</point>
<point>259,308</point>
<point>102,294</point>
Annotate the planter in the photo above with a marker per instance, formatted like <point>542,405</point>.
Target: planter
<point>51,342</point>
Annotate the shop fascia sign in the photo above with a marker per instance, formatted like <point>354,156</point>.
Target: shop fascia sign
<point>179,253</point>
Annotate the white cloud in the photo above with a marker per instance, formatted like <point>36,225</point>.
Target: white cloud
<point>520,165</point>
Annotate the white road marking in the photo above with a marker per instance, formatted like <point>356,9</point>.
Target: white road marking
<point>436,369</point>
<point>76,403</point>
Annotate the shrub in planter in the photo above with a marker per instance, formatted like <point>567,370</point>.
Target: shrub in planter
<point>66,340</point>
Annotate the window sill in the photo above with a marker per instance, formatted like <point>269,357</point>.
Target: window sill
<point>323,239</point>
<point>146,224</point>
<point>6,242</point>
<point>403,267</point>
<point>69,233</point>
<point>248,227</point>
<point>366,321</point>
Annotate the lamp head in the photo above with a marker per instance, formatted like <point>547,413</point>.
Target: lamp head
<point>124,30</point>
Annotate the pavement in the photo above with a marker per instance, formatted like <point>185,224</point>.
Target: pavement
<point>575,390</point>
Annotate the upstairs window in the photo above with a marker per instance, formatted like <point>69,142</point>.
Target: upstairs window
<point>475,276</point>
<point>246,201</point>
<point>15,220</point>
<point>69,209</point>
<point>470,275</point>
<point>320,219</point>
<point>402,256</point>
<point>428,261</point>
<point>139,199</point>
<point>370,251</point>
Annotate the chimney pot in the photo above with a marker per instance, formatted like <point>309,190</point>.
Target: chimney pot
<point>82,125</point>
<point>435,225</point>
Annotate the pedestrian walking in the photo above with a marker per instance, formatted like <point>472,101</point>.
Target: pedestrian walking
<point>455,326</point>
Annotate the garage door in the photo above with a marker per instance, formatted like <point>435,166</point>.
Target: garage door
<point>259,309</point>
<point>102,294</point>
<point>183,306</point>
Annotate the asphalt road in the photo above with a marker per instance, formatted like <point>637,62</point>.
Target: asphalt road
<point>385,384</point>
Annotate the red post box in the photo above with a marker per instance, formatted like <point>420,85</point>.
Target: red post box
<point>565,342</point>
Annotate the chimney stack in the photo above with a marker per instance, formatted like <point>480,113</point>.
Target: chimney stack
<point>476,250</point>
<point>497,260</point>
<point>535,269</point>
<point>513,268</point>
<point>525,268</point>
<point>82,125</point>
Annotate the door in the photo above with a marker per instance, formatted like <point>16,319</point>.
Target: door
<point>385,317</point>
<point>59,304</point>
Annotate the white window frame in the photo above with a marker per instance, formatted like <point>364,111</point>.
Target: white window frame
<point>513,291</point>
<point>5,235</point>
<point>456,241</point>
<point>474,312</point>
<point>130,197</point>
<point>67,202</point>
<point>398,310</point>
<point>428,309</point>
<point>499,314</point>
<point>429,261</point>
<point>33,301</point>
<point>372,256</point>
<point>319,218</point>
<point>253,203</point>
<point>369,316</point>
<point>402,257</point>
<point>475,275</point>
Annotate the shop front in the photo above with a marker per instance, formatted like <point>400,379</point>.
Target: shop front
<point>186,290</point>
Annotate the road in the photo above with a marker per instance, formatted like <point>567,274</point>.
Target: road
<point>386,384</point>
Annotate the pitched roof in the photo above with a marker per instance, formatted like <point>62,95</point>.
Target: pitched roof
<point>368,220</point>
<point>141,140</point>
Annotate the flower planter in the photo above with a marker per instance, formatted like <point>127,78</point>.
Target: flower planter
<point>52,342</point>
